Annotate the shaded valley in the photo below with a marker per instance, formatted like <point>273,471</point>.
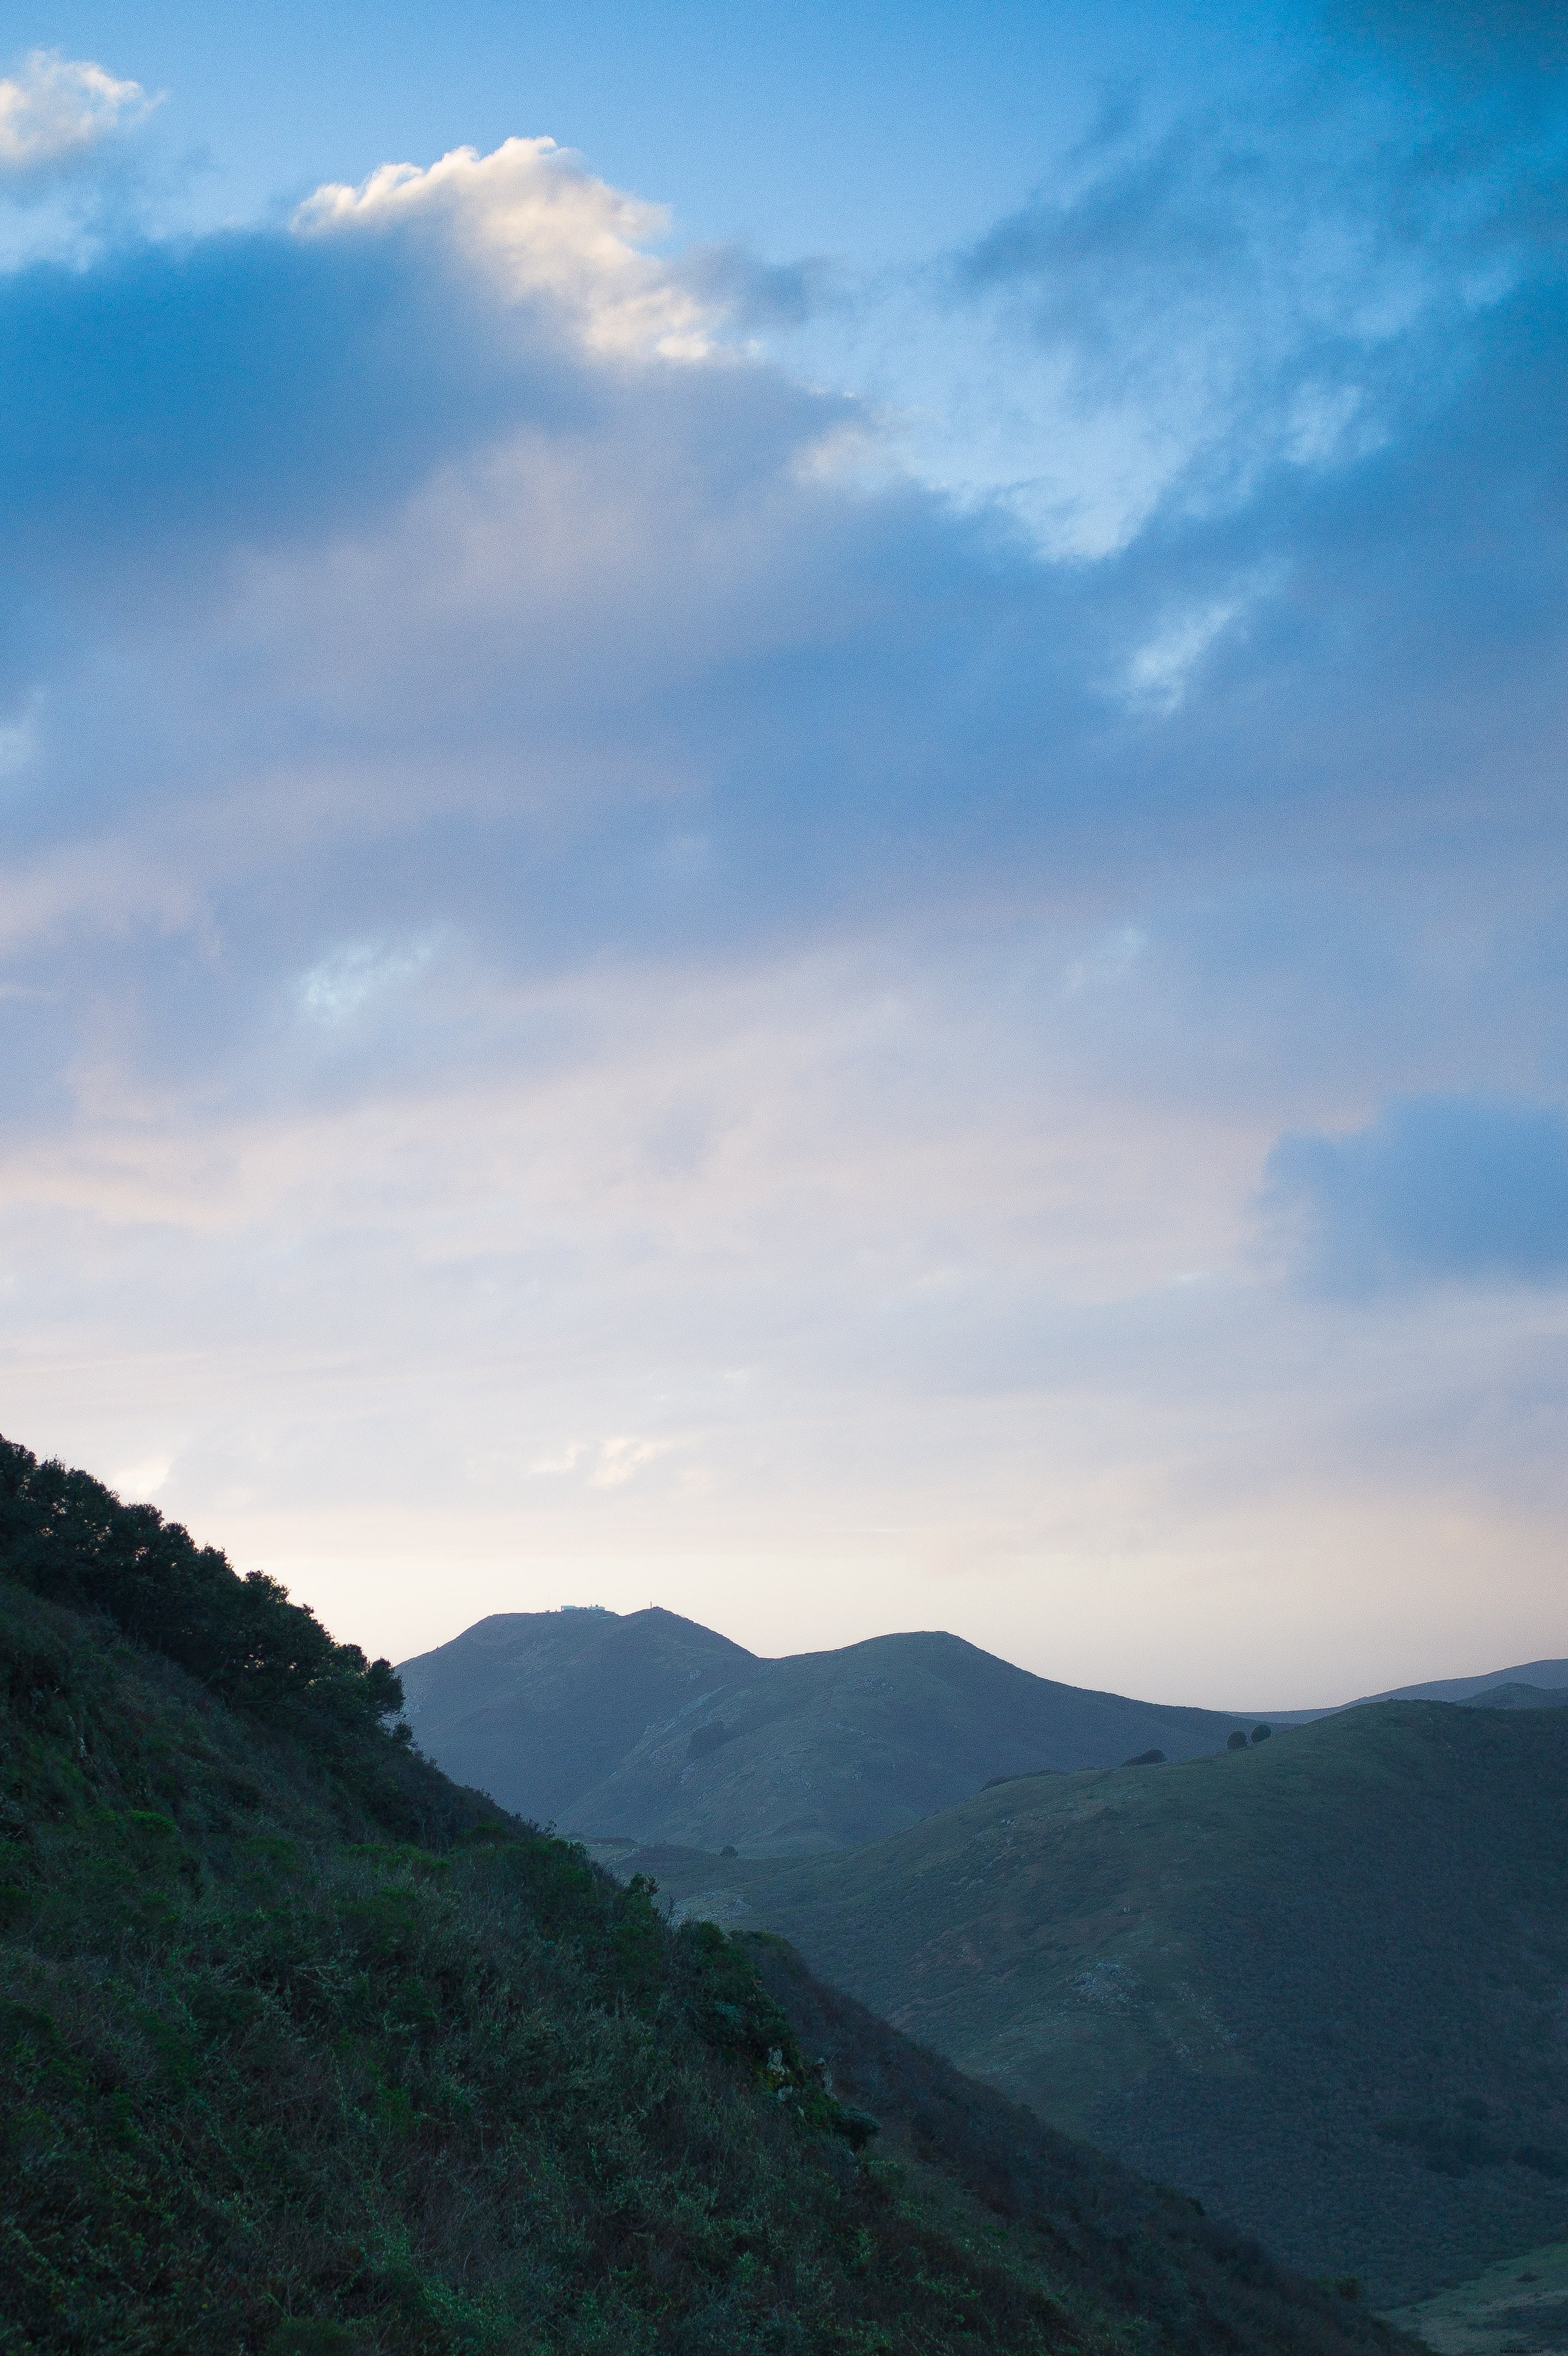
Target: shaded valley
<point>1317,1982</point>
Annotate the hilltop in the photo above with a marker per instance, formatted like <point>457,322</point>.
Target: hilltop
<point>306,2051</point>
<point>651,1728</point>
<point>1317,1983</point>
<point>1548,1677</point>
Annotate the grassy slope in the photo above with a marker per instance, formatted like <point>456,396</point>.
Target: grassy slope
<point>1518,2309</point>
<point>302,2048</point>
<point>1319,1982</point>
<point>652,1727</point>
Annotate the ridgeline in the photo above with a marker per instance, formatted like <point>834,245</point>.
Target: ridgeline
<point>654,1728</point>
<point>303,2048</point>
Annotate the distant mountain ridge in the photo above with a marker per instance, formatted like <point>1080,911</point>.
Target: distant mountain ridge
<point>649,1727</point>
<point>1544,1674</point>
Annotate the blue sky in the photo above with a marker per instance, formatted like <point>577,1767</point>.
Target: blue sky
<point>806,856</point>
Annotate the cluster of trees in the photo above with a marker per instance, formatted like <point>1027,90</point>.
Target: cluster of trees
<point>1239,1741</point>
<point>67,1538</point>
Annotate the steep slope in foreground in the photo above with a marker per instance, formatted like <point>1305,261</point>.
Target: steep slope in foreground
<point>651,1728</point>
<point>304,2049</point>
<point>1317,1982</point>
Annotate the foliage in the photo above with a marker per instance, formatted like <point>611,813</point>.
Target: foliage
<point>69,1539</point>
<point>1317,1982</point>
<point>1111,2239</point>
<point>305,2051</point>
<point>273,2078</point>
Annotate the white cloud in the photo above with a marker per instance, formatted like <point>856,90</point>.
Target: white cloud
<point>622,1457</point>
<point>347,980</point>
<point>531,216</point>
<point>1158,674</point>
<point>54,108</point>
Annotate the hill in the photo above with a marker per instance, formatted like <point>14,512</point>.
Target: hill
<point>537,1707</point>
<point>1317,1982</point>
<point>305,2051</point>
<point>1516,2308</point>
<point>651,1728</point>
<point>1515,1697</point>
<point>1552,1675</point>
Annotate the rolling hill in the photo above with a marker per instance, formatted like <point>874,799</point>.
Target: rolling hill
<point>1319,1982</point>
<point>651,1728</point>
<point>305,2051</point>
<point>1551,1676</point>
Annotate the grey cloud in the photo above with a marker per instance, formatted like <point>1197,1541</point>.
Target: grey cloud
<point>167,402</point>
<point>754,295</point>
<point>1274,283</point>
<point>1438,1190</point>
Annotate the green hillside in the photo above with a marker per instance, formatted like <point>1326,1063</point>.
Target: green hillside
<point>1518,1696</point>
<point>1317,1982</point>
<point>649,1727</point>
<point>1516,2308</point>
<point>305,2049</point>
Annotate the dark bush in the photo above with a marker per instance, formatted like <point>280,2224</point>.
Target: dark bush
<point>1237,1742</point>
<point>71,1541</point>
<point>1262,1734</point>
<point>729,1850</point>
<point>1146,1759</point>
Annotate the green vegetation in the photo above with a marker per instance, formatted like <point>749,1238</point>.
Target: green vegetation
<point>1315,1981</point>
<point>651,1728</point>
<point>1518,2309</point>
<point>65,1536</point>
<point>305,2049</point>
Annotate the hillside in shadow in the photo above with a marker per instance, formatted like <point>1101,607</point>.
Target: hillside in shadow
<point>306,2051</point>
<point>1317,1982</point>
<point>650,1728</point>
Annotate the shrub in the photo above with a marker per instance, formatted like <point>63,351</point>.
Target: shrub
<point>71,1541</point>
<point>1262,1734</point>
<point>1146,1759</point>
<point>1237,1742</point>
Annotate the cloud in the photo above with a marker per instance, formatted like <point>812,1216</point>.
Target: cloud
<point>355,974</point>
<point>54,110</point>
<point>1438,1190</point>
<point>842,975</point>
<point>544,229</point>
<point>1194,300</point>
